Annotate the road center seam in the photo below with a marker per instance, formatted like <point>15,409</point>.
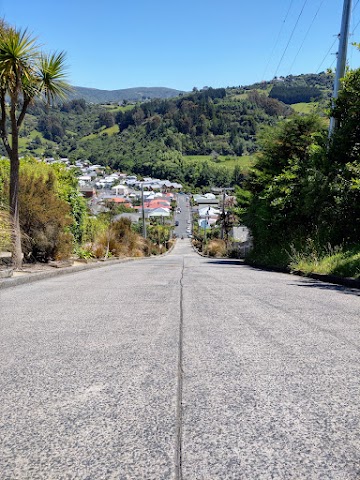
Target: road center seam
<point>178,449</point>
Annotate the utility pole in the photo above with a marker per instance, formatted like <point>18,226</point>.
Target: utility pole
<point>223,215</point>
<point>341,58</point>
<point>143,211</point>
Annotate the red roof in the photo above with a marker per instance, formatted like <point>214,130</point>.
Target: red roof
<point>121,200</point>
<point>157,203</point>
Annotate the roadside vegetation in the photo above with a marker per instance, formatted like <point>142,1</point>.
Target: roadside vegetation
<point>302,199</point>
<point>56,224</point>
<point>340,261</point>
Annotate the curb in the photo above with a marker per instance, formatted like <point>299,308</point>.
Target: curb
<point>334,279</point>
<point>34,277</point>
<point>344,281</point>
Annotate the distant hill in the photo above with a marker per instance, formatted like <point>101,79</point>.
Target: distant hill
<point>293,89</point>
<point>171,137</point>
<point>94,95</point>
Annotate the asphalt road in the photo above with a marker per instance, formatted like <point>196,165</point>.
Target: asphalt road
<point>124,371</point>
<point>184,217</point>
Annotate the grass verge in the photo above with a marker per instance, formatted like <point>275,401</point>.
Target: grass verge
<point>340,261</point>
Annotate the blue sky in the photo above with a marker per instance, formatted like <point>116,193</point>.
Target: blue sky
<point>113,44</point>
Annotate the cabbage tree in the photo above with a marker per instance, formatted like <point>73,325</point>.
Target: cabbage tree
<point>25,74</point>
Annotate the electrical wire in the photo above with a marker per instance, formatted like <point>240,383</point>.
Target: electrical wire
<point>358,23</point>
<point>278,38</point>
<point>306,35</point>
<point>352,33</point>
<point>292,34</point>
<point>327,53</point>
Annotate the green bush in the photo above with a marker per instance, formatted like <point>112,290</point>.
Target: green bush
<point>340,261</point>
<point>5,230</point>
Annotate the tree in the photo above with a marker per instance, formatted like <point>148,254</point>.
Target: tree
<point>25,73</point>
<point>285,195</point>
<point>106,119</point>
<point>237,176</point>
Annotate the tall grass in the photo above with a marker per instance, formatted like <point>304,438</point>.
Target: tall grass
<point>337,260</point>
<point>5,230</point>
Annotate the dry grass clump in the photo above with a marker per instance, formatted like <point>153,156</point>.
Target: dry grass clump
<point>215,248</point>
<point>5,231</point>
<point>119,240</point>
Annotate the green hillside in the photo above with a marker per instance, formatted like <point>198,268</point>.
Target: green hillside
<point>94,95</point>
<point>201,138</point>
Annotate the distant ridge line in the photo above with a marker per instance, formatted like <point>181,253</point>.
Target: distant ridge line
<point>96,95</point>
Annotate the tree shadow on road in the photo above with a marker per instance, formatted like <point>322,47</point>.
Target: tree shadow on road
<point>328,286</point>
<point>226,262</point>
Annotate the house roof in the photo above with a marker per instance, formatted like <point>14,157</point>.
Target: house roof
<point>159,212</point>
<point>208,211</point>
<point>121,200</point>
<point>157,203</point>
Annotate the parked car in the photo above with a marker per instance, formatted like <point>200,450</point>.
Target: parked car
<point>177,223</point>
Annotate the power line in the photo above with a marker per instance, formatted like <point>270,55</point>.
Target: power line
<point>327,53</point>
<point>358,23</point>
<point>352,32</point>
<point>278,38</point>
<point>292,34</point>
<point>306,34</point>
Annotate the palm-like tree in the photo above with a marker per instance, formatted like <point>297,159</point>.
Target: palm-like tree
<point>25,73</point>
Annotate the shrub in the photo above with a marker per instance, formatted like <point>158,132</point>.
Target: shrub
<point>44,218</point>
<point>5,230</point>
<point>119,240</point>
<point>47,216</point>
<point>215,248</point>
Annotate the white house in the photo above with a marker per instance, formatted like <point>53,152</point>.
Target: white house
<point>208,212</point>
<point>84,180</point>
<point>121,190</point>
<point>159,212</point>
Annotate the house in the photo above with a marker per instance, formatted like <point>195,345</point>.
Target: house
<point>207,199</point>
<point>157,203</point>
<point>121,190</point>
<point>119,201</point>
<point>208,216</point>
<point>87,191</point>
<point>240,234</point>
<point>208,211</point>
<point>84,180</point>
<point>241,239</point>
<point>159,212</point>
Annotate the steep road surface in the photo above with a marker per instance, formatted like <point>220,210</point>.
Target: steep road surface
<point>179,367</point>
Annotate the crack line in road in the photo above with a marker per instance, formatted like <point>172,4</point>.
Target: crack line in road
<point>178,451</point>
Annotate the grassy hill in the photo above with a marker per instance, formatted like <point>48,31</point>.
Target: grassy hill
<point>307,88</point>
<point>201,138</point>
<point>93,95</point>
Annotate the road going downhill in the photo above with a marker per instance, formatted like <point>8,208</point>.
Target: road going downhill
<point>179,367</point>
